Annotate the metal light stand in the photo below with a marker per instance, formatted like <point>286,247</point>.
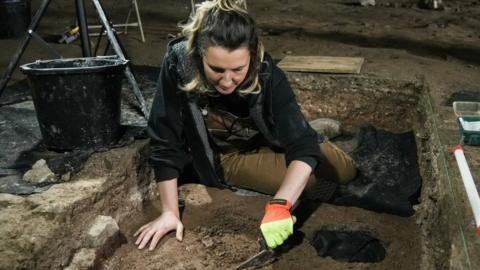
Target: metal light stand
<point>83,25</point>
<point>85,42</point>
<point>23,45</point>
<point>118,50</point>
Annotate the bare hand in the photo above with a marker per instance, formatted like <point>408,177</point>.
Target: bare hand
<point>157,228</point>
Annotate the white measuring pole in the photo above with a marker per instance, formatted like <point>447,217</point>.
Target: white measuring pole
<point>469,184</point>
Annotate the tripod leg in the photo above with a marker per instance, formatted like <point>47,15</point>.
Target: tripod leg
<point>45,44</point>
<point>107,47</point>
<point>118,50</point>
<point>82,23</point>
<point>98,41</point>
<point>139,20</point>
<point>23,45</point>
<point>128,17</point>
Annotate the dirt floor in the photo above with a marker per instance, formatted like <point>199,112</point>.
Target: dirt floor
<point>439,49</point>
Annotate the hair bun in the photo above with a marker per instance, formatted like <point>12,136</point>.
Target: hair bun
<point>231,4</point>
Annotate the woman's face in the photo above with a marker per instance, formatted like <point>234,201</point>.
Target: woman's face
<point>226,69</point>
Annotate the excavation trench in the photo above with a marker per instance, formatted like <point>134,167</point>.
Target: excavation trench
<point>222,225</point>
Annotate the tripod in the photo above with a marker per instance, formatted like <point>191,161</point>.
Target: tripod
<point>85,43</point>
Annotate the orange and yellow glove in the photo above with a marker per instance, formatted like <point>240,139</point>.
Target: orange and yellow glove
<point>277,224</point>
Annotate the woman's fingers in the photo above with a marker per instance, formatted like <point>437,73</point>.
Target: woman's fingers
<point>146,238</point>
<point>179,231</point>
<point>156,237</point>
<point>140,237</point>
<point>141,229</point>
<point>151,233</point>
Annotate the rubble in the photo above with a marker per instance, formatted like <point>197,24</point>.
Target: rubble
<point>8,199</point>
<point>40,173</point>
<point>102,229</point>
<point>61,197</point>
<point>329,128</point>
<point>83,260</point>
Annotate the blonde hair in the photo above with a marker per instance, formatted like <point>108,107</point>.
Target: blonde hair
<point>206,27</point>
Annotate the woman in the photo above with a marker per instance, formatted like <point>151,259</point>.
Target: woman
<point>222,102</point>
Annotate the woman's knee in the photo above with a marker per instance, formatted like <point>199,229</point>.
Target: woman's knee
<point>340,166</point>
<point>346,175</point>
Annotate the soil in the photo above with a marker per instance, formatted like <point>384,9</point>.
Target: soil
<point>439,48</point>
<point>223,234</point>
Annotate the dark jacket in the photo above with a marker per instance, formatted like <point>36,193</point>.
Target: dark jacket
<point>178,131</point>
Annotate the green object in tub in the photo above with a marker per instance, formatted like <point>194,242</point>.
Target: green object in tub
<point>470,129</point>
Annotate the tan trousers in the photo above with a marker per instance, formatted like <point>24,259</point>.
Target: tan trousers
<point>263,170</point>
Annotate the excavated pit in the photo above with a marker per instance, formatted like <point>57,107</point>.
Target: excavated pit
<point>222,226</point>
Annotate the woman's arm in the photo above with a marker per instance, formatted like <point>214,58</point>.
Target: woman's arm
<point>169,196</point>
<point>277,223</point>
<point>296,178</point>
<point>168,221</point>
<point>302,155</point>
<point>290,126</point>
<point>166,124</point>
<point>167,156</point>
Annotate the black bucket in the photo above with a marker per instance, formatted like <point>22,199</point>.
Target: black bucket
<point>77,101</point>
<point>14,18</point>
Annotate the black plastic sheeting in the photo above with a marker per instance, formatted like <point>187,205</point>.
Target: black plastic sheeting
<point>463,95</point>
<point>147,81</point>
<point>346,246</point>
<point>15,93</point>
<point>18,132</point>
<point>389,180</point>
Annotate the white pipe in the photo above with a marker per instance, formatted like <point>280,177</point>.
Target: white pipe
<point>470,187</point>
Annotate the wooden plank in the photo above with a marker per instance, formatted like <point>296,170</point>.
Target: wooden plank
<point>322,64</point>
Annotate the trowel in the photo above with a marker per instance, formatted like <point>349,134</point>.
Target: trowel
<point>264,257</point>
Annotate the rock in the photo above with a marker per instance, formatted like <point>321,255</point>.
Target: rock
<point>207,241</point>
<point>39,173</point>
<point>220,253</point>
<point>8,199</point>
<point>66,177</point>
<point>366,3</point>
<point>194,194</point>
<point>102,229</point>
<point>62,197</point>
<point>136,199</point>
<point>327,127</point>
<point>83,260</point>
<point>348,145</point>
